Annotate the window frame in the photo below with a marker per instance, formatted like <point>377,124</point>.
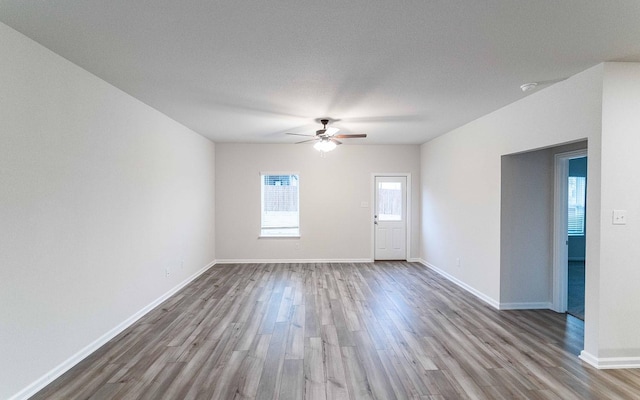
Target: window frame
<point>265,230</point>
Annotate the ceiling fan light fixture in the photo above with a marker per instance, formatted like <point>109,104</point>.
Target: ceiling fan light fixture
<point>324,146</point>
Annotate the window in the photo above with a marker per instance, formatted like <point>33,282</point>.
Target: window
<point>280,205</point>
<point>390,201</point>
<point>577,186</point>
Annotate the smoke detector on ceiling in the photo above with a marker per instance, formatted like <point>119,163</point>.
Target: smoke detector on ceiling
<point>529,86</point>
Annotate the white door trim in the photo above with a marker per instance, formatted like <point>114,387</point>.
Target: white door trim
<point>560,234</point>
<point>372,185</point>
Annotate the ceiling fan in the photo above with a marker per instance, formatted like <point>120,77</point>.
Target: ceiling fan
<point>326,138</point>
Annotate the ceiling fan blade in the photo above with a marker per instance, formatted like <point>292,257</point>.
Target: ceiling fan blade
<point>351,136</point>
<point>335,141</point>
<point>331,131</point>
<point>305,141</point>
<point>298,134</point>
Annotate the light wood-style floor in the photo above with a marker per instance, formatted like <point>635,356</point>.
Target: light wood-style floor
<point>385,330</point>
<point>575,290</point>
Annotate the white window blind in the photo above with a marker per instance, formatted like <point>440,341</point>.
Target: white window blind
<point>280,214</point>
<point>576,203</point>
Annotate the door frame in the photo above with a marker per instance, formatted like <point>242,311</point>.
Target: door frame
<point>560,231</point>
<point>372,185</point>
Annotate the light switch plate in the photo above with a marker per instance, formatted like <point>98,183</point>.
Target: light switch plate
<point>619,217</point>
<point>364,204</point>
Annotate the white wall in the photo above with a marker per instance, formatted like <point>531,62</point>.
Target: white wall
<point>99,193</point>
<point>461,174</point>
<point>461,197</point>
<point>333,225</point>
<point>526,230</point>
<point>619,275</point>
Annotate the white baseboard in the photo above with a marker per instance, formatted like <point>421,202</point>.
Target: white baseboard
<point>463,285</point>
<point>301,260</point>
<point>526,306</point>
<point>610,362</point>
<point>293,261</point>
<point>56,372</point>
<point>588,358</point>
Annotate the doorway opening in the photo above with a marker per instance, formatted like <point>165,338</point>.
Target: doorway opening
<point>570,232</point>
<point>576,226</point>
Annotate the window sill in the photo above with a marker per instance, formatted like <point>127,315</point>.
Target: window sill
<point>279,233</point>
<point>279,237</point>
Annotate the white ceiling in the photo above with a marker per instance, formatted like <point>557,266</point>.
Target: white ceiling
<point>400,71</point>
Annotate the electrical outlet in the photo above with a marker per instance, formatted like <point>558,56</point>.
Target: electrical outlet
<point>167,272</point>
<point>458,262</point>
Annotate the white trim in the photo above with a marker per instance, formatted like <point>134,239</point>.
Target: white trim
<point>279,236</point>
<point>610,362</point>
<point>560,234</point>
<point>278,173</point>
<point>293,261</point>
<point>66,365</point>
<point>408,205</point>
<point>526,306</point>
<point>493,303</point>
<point>588,358</point>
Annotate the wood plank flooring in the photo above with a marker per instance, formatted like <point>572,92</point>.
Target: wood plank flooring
<point>384,330</point>
<point>575,289</point>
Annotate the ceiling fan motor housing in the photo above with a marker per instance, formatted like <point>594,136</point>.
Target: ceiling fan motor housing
<point>321,132</point>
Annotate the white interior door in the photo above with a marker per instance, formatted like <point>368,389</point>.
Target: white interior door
<point>390,218</point>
